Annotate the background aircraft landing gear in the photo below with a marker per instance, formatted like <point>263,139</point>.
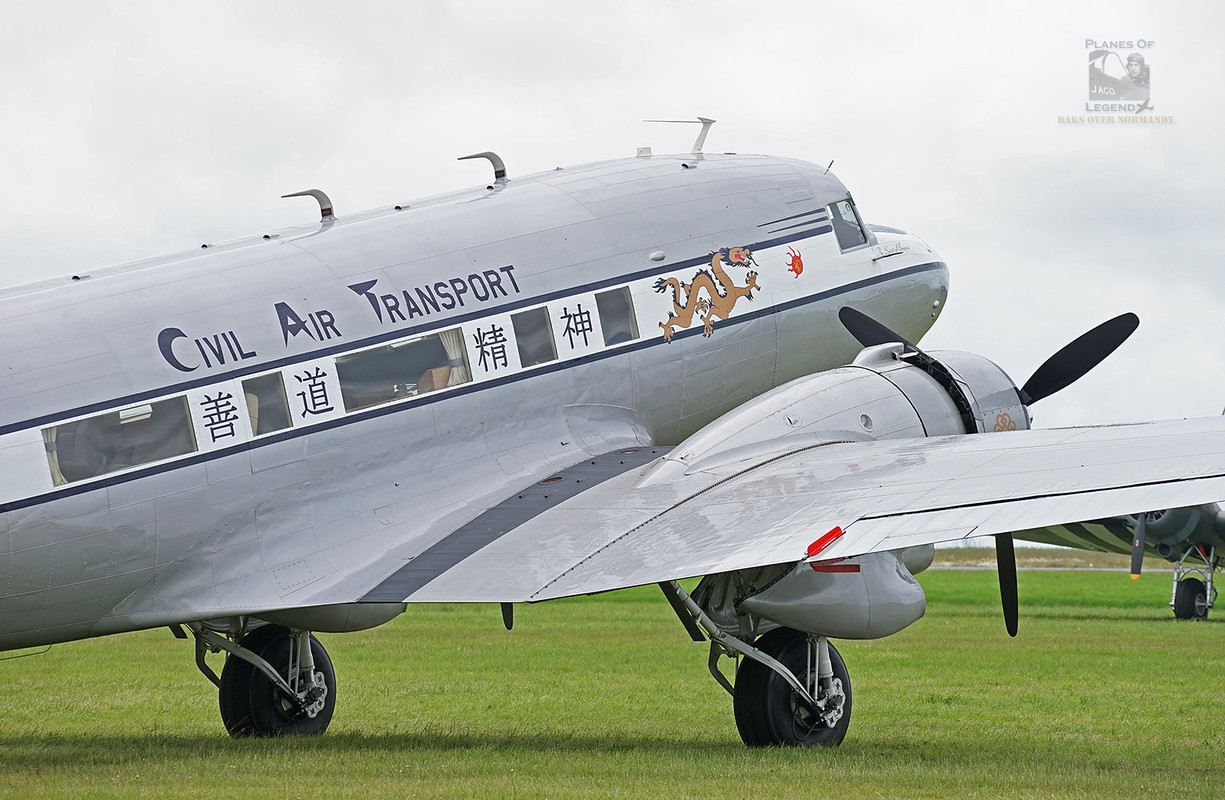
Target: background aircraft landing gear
<point>252,704</point>
<point>770,712</point>
<point>1193,592</point>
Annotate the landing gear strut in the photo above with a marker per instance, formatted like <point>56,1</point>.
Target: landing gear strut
<point>792,688</point>
<point>275,682</point>
<point>1193,592</point>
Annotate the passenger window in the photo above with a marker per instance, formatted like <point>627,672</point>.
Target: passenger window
<point>846,224</point>
<point>617,316</point>
<point>534,336</point>
<point>403,369</point>
<point>119,439</point>
<point>267,406</point>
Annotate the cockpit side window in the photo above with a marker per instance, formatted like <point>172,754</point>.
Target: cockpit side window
<point>847,226</point>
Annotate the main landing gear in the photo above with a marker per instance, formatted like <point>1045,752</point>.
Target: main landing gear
<point>770,712</point>
<point>276,681</point>
<point>792,688</point>
<point>1193,591</point>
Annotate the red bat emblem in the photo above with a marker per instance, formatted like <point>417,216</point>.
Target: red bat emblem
<point>796,265</point>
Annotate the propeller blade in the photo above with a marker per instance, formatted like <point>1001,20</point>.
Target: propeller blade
<point>1137,546</point>
<point>1006,564</point>
<point>867,331</point>
<point>508,615</point>
<point>1078,357</point>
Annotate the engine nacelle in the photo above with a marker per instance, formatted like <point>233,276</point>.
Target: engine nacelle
<point>887,393</point>
<point>1179,528</point>
<point>881,395</point>
<point>866,597</point>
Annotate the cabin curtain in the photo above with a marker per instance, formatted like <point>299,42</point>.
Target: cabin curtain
<point>453,343</point>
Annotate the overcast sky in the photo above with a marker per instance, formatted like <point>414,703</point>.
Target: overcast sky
<point>142,128</point>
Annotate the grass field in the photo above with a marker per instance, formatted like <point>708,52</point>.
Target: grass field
<point>1103,694</point>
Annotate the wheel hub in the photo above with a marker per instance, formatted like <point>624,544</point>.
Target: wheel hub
<point>309,701</point>
<point>826,712</point>
<point>316,696</point>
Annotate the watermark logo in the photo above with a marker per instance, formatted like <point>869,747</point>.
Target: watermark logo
<point>1124,85</point>
<point>1120,84</point>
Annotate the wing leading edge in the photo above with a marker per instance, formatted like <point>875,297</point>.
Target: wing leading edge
<point>635,529</point>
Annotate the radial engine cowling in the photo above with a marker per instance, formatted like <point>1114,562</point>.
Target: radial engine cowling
<point>883,394</point>
<point>952,391</point>
<point>1180,528</point>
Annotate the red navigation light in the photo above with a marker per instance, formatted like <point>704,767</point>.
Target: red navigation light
<point>825,541</point>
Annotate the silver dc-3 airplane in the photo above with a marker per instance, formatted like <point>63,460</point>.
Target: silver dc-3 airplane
<point>626,373</point>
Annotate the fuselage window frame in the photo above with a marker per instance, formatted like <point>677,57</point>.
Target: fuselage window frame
<point>618,323</point>
<point>534,337</point>
<point>118,440</point>
<point>403,369</point>
<point>267,404</point>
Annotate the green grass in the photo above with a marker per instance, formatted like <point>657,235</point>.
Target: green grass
<point>1103,694</point>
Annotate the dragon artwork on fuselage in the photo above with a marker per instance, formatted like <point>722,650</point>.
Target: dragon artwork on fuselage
<point>722,292</point>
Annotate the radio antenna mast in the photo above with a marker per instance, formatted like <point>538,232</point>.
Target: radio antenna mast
<point>701,140</point>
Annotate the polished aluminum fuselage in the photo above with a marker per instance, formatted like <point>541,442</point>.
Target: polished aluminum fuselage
<point>319,512</point>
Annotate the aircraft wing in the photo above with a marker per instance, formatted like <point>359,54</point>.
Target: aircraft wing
<point>660,521</point>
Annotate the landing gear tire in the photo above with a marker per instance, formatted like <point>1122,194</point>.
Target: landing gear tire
<point>769,712</point>
<point>252,706</point>
<point>1191,599</point>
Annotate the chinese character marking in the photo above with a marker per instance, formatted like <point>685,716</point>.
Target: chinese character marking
<point>577,324</point>
<point>492,347</point>
<point>314,393</point>
<point>219,415</point>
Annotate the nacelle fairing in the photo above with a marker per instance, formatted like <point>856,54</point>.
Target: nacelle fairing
<point>866,597</point>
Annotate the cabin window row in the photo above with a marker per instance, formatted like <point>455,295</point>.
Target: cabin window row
<point>213,417</point>
<point>540,333</point>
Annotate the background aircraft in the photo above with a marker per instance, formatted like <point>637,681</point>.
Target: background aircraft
<point>1186,537</point>
<point>591,378</point>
